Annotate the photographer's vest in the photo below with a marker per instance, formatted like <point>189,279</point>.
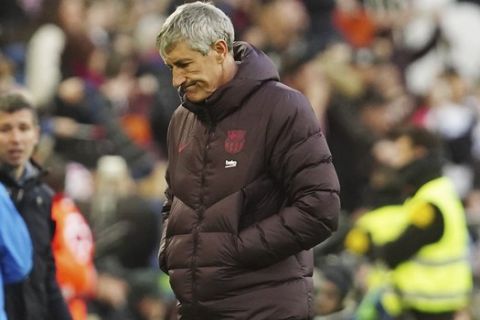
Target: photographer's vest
<point>438,278</point>
<point>384,224</point>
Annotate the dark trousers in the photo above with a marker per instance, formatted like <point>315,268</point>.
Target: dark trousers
<point>417,315</point>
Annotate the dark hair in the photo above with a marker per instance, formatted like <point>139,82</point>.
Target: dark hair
<point>13,102</point>
<point>371,98</point>
<point>419,136</point>
<point>341,276</point>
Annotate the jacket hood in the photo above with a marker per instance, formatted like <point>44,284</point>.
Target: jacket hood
<point>254,68</point>
<point>253,63</point>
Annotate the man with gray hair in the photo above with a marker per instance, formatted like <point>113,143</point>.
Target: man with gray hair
<point>251,184</point>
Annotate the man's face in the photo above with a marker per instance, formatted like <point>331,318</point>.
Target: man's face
<point>397,153</point>
<point>19,135</point>
<point>406,152</point>
<point>197,75</point>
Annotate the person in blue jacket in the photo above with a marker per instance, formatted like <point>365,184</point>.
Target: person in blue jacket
<point>15,246</point>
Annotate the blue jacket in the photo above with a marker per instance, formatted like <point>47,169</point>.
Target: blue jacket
<point>40,297</point>
<point>15,246</point>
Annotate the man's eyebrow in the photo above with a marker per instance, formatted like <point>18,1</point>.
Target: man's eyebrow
<point>180,62</point>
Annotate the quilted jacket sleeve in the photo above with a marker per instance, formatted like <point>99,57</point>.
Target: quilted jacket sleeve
<point>300,161</point>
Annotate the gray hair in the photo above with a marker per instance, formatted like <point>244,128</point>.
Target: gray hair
<point>200,24</point>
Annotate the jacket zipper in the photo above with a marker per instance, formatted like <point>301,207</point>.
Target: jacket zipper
<point>201,211</point>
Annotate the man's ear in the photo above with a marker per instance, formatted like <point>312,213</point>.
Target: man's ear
<point>220,48</point>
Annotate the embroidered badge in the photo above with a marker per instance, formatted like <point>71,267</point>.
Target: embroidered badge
<point>235,141</point>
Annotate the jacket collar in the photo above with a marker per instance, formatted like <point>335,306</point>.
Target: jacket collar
<point>254,68</point>
<point>32,172</point>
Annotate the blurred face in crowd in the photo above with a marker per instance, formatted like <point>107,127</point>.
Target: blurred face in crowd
<point>197,75</point>
<point>327,299</point>
<point>283,21</point>
<point>406,152</point>
<point>72,14</point>
<point>19,134</point>
<point>397,153</point>
<point>376,119</point>
<point>348,5</point>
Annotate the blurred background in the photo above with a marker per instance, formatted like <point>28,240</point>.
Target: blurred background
<point>105,100</point>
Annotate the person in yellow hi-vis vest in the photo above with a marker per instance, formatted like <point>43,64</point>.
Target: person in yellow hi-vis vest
<point>380,300</point>
<point>426,251</point>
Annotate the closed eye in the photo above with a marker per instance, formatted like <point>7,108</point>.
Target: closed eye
<point>182,65</point>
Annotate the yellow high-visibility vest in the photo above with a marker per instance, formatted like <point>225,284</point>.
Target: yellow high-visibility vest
<point>384,224</point>
<point>439,277</point>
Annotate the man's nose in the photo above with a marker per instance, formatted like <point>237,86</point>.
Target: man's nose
<point>15,135</point>
<point>178,78</point>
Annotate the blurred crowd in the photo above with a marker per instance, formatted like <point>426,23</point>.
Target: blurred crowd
<point>105,99</point>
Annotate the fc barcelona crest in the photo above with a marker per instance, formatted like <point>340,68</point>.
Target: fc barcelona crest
<point>235,141</point>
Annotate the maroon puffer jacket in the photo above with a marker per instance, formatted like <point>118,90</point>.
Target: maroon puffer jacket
<point>252,189</point>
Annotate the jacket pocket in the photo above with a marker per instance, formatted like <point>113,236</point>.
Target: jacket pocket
<point>162,254</point>
<point>261,199</point>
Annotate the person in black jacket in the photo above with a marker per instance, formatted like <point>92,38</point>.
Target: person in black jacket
<point>38,297</point>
